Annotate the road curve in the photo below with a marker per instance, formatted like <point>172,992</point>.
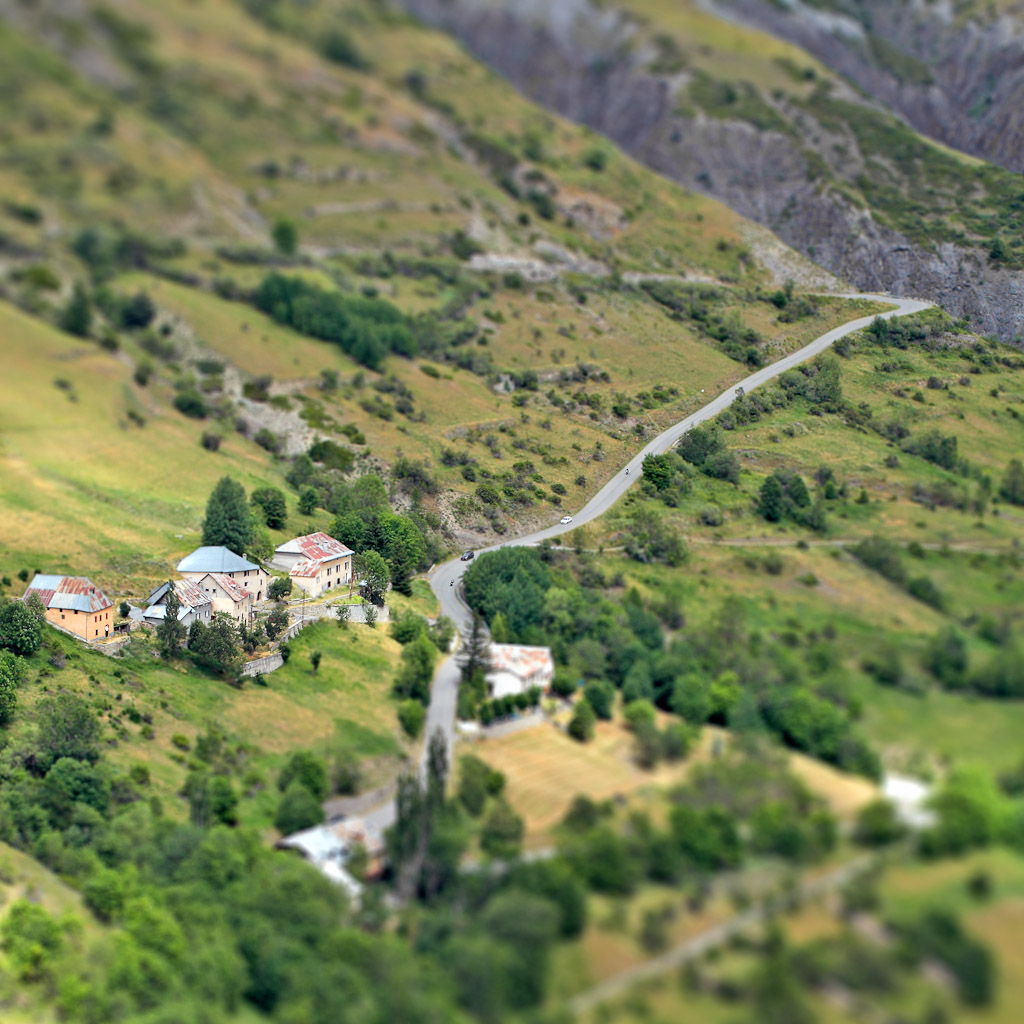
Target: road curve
<point>444,580</point>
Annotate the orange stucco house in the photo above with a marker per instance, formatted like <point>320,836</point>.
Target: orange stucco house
<point>74,604</point>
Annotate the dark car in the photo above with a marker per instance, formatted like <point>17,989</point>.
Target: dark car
<point>468,556</point>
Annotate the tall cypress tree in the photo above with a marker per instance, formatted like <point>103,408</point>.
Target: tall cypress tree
<point>475,655</point>
<point>228,519</point>
<point>770,502</point>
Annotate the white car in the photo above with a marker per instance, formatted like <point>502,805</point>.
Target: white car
<point>565,520</point>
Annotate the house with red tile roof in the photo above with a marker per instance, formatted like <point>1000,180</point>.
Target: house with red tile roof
<point>229,596</point>
<point>195,603</point>
<point>74,604</point>
<point>516,668</point>
<point>316,563</point>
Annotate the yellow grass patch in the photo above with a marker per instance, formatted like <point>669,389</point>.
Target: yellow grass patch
<point>545,769</point>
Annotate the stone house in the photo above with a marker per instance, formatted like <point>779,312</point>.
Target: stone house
<point>221,562</point>
<point>74,604</point>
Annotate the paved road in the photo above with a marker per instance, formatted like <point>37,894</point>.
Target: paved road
<point>445,578</point>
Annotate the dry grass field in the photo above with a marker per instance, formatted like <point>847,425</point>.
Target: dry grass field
<point>546,769</point>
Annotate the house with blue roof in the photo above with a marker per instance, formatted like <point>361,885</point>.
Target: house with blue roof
<point>234,584</point>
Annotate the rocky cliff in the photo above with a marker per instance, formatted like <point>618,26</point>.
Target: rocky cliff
<point>954,71</point>
<point>830,171</point>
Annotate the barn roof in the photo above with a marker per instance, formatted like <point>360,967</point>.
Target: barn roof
<point>68,593</point>
<point>189,593</point>
<point>520,660</point>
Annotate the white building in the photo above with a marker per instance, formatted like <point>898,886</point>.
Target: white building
<point>516,668</point>
<point>315,562</point>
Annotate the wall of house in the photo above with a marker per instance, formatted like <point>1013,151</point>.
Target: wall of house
<point>340,574</point>
<point>308,584</point>
<point>504,684</point>
<point>221,603</point>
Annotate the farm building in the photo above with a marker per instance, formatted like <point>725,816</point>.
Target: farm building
<point>516,669</point>
<point>74,604</point>
<point>195,603</point>
<point>315,563</point>
<point>221,562</point>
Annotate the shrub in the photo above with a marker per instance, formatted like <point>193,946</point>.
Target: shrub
<point>211,440</point>
<point>337,46</point>
<point>267,439</point>
<point>878,824</point>
<point>411,716</point>
<point>601,697</point>
<point>191,403</point>
<point>638,712</point>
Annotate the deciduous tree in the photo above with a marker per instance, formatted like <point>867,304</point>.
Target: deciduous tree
<point>20,630</point>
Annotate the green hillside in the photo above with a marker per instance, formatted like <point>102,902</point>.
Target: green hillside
<point>139,161</point>
<point>307,244</point>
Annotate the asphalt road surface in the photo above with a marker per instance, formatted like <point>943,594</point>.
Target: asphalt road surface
<point>445,579</point>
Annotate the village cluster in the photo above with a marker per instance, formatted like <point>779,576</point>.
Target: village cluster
<point>213,580</point>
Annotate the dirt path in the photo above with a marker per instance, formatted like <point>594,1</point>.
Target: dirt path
<point>713,937</point>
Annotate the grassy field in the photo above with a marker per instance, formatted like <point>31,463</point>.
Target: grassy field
<point>546,770</point>
<point>89,490</point>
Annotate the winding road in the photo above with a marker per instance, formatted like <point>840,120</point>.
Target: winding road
<point>445,578</point>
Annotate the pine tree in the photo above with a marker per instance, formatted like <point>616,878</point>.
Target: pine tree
<point>475,654</point>
<point>228,519</point>
<point>171,632</point>
<point>770,503</point>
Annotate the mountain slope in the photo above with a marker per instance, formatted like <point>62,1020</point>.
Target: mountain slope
<point>759,124</point>
<point>152,151</point>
